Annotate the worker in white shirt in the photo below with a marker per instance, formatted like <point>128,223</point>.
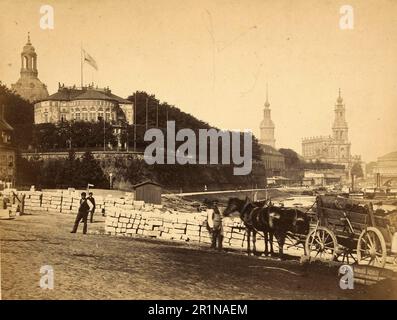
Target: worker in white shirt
<point>214,221</point>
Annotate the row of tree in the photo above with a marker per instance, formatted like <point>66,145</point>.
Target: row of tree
<point>127,171</point>
<point>61,173</point>
<point>19,114</point>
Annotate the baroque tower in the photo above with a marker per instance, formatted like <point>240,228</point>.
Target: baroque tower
<point>340,128</point>
<point>267,125</point>
<point>29,86</point>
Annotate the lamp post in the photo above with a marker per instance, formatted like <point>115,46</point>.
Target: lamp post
<point>104,136</point>
<point>110,180</point>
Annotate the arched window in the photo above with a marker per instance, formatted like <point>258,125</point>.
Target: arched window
<point>92,114</point>
<point>100,114</point>
<point>107,114</point>
<point>85,114</point>
<point>25,62</point>
<point>77,114</point>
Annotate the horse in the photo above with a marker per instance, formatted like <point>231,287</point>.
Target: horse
<point>271,220</point>
<point>255,219</point>
<point>287,220</point>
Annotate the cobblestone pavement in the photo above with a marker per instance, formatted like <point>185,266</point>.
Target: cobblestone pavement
<point>97,266</point>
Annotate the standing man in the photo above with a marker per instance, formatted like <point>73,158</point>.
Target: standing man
<point>85,207</point>
<point>91,198</point>
<point>215,224</point>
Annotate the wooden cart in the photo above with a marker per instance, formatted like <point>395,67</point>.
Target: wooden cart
<point>348,230</point>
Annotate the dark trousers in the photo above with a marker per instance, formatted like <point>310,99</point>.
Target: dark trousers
<point>81,216</point>
<point>92,216</point>
<point>217,239</point>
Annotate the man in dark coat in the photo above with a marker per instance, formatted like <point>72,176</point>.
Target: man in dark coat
<point>91,198</point>
<point>85,207</point>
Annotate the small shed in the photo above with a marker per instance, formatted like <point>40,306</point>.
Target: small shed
<point>148,191</point>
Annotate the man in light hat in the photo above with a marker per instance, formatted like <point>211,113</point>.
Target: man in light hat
<point>214,219</point>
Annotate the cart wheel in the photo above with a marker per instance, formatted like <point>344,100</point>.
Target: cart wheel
<point>292,241</point>
<point>371,248</point>
<point>346,256</point>
<point>321,243</point>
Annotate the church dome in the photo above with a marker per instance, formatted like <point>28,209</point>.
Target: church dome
<point>28,85</point>
<point>267,123</point>
<point>28,48</point>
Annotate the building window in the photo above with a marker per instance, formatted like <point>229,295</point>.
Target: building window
<point>45,117</point>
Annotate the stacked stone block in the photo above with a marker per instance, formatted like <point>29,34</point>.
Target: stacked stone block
<point>126,217</point>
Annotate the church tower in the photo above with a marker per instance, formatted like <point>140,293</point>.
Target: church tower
<point>267,125</point>
<point>340,128</point>
<point>29,86</point>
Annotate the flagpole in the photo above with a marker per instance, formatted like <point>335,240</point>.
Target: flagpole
<point>81,64</point>
<point>135,108</point>
<point>157,114</point>
<point>147,108</point>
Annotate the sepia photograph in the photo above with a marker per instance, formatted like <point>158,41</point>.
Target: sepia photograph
<point>219,150</point>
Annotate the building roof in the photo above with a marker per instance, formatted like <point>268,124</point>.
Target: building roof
<point>270,150</point>
<point>146,182</point>
<point>92,95</point>
<point>389,156</point>
<point>64,94</point>
<point>86,93</point>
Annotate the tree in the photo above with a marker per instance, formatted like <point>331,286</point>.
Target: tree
<point>91,172</point>
<point>19,114</point>
<point>165,111</point>
<point>45,136</point>
<point>357,170</point>
<point>292,160</point>
<point>70,170</point>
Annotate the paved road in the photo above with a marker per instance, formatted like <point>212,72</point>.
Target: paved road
<point>97,266</point>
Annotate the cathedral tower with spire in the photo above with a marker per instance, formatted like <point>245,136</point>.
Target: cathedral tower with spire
<point>28,85</point>
<point>267,125</point>
<point>335,148</point>
<point>340,128</point>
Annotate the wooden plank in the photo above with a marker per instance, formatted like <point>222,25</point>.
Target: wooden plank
<point>356,216</point>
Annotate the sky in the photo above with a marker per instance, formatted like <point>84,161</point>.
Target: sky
<point>213,60</point>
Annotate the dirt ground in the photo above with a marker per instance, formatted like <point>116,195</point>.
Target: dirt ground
<point>97,266</point>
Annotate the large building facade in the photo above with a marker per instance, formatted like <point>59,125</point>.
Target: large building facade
<point>28,85</point>
<point>336,148</point>
<point>273,160</point>
<point>83,104</point>
<point>7,152</point>
<point>385,169</point>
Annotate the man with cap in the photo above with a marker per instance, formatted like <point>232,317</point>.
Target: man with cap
<point>85,207</point>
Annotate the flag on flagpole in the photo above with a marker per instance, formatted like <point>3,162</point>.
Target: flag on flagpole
<point>90,60</point>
